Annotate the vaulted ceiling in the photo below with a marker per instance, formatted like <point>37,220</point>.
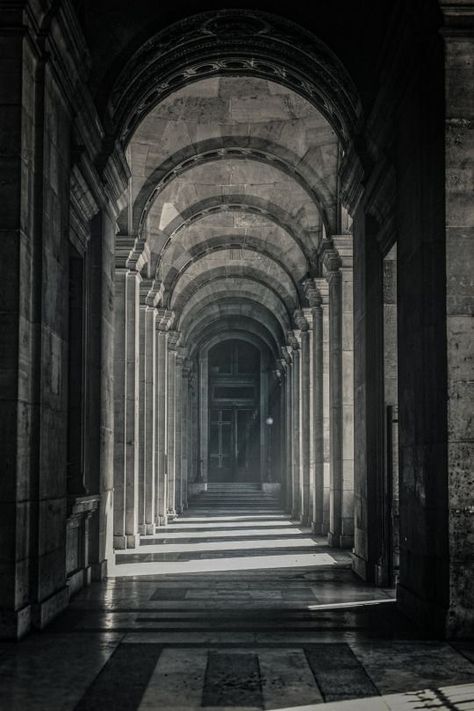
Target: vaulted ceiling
<point>233,186</point>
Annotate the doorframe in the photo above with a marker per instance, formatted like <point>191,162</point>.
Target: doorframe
<point>203,360</point>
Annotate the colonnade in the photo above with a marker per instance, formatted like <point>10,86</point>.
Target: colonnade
<point>161,406</point>
<point>317,373</point>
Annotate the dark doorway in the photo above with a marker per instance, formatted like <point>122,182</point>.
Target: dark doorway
<point>234,414</point>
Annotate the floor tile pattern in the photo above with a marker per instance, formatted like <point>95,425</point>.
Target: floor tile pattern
<point>233,606</point>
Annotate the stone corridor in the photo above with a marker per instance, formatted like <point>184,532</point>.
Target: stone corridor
<point>234,606</point>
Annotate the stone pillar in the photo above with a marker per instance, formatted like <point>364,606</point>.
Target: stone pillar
<point>288,355</point>
<point>305,417</point>
<point>150,430</point>
<point>459,161</point>
<point>195,471</point>
<point>144,286</point>
<point>126,408</point>
<point>187,430</point>
<point>295,418</point>
<point>317,415</point>
<point>315,300</point>
<point>171,423</point>
<point>178,430</point>
<point>203,418</point>
<point>163,321</point>
<point>338,270</point>
<point>283,429</point>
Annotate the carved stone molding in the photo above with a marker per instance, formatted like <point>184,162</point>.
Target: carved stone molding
<point>300,320</point>
<point>312,294</point>
<point>165,319</point>
<point>227,42</point>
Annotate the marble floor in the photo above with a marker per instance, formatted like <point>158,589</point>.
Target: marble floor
<point>233,606</point>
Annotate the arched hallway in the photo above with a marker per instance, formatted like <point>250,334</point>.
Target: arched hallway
<point>236,315</point>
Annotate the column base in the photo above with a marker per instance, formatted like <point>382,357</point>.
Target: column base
<point>359,566</point>
<point>431,619</point>
<point>141,529</point>
<point>133,540</point>
<point>99,571</point>
<point>162,520</point>
<point>340,540</point>
<point>15,624</point>
<point>171,514</point>
<point>78,580</point>
<point>120,543</point>
<point>149,529</point>
<point>318,528</point>
<point>306,520</point>
<point>45,611</point>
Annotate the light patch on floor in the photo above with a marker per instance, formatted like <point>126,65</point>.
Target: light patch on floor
<point>214,565</point>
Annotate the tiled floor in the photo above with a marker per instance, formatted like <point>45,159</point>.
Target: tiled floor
<point>233,606</point>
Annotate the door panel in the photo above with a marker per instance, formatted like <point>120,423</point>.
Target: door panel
<point>233,445</point>
<point>234,427</point>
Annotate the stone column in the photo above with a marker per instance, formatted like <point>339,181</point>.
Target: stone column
<point>163,321</point>
<point>171,423</point>
<point>178,430</point>
<point>126,409</point>
<point>187,430</point>
<point>119,408</point>
<point>314,298</point>
<point>283,429</point>
<point>338,270</point>
<point>305,417</point>
<point>287,357</point>
<point>150,430</point>
<point>203,418</point>
<point>194,425</point>
<point>324,291</point>
<point>295,418</point>
<point>141,414</point>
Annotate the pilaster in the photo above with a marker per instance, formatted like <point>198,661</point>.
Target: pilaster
<point>127,369</point>
<point>336,257</point>
<point>173,337</point>
<point>294,343</point>
<point>305,415</point>
<point>163,321</point>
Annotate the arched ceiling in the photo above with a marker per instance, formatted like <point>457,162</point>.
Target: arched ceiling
<point>233,186</point>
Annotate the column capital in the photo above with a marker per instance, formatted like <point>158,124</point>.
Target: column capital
<point>145,286</point>
<point>293,340</point>
<point>308,313</point>
<point>181,353</point>
<point>139,254</point>
<point>155,293</point>
<point>286,352</point>
<point>131,252</point>
<point>173,338</point>
<point>344,245</point>
<point>283,365</point>
<point>123,246</point>
<point>277,374</point>
<point>329,257</point>
<point>300,320</point>
<point>164,319</point>
<point>311,292</point>
<point>323,289</point>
